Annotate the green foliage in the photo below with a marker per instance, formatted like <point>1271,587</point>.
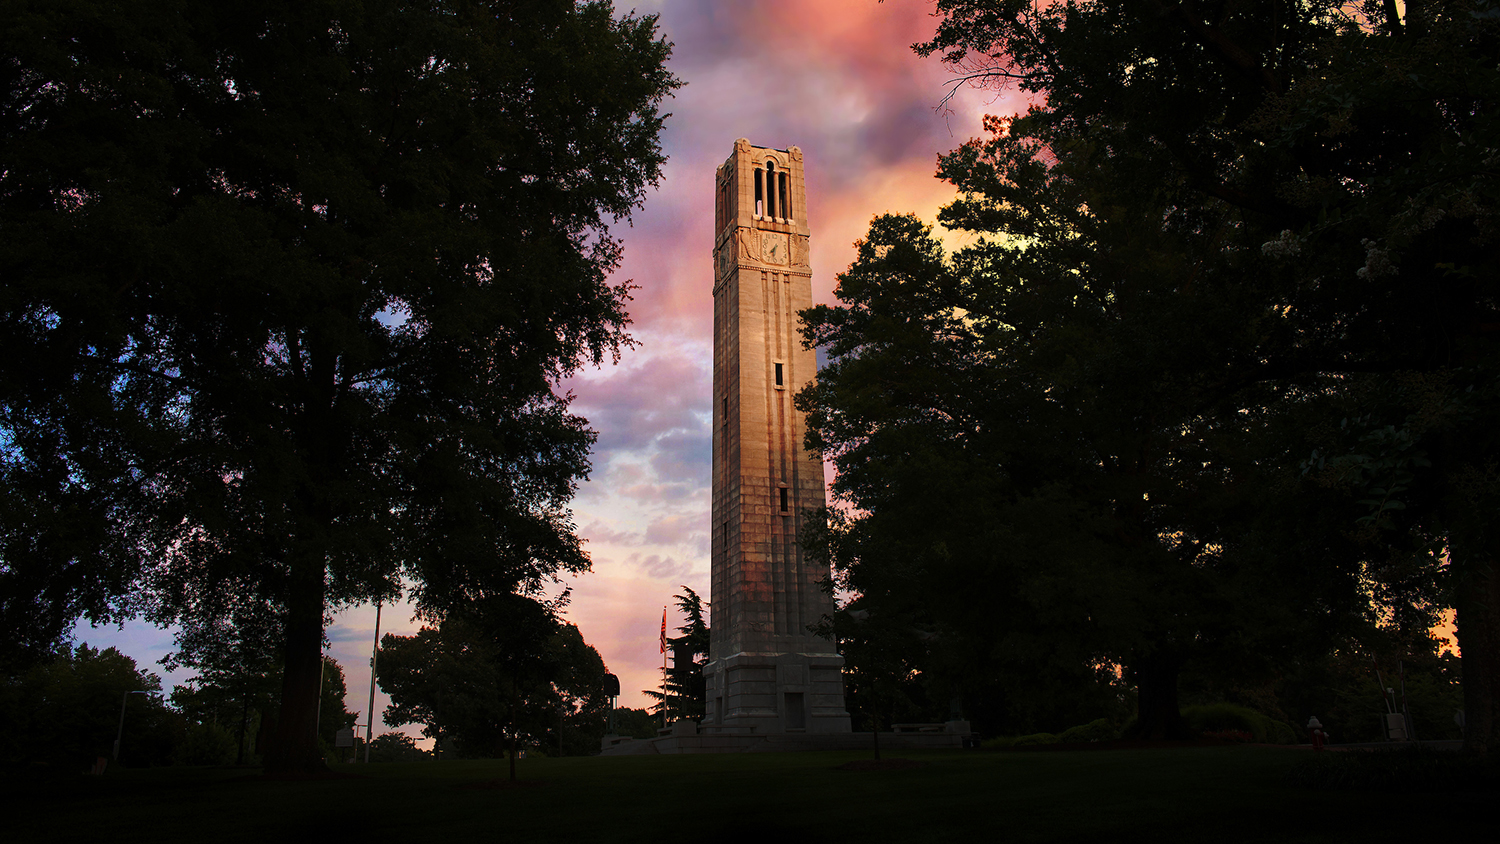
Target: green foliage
<point>332,716</point>
<point>65,713</point>
<point>1342,691</point>
<point>396,747</point>
<point>1035,739</point>
<point>1218,717</point>
<point>636,723</point>
<point>1097,730</point>
<point>684,695</point>
<point>287,288</point>
<point>502,671</point>
<point>883,683</point>
<point>207,744</point>
<point>1215,236</point>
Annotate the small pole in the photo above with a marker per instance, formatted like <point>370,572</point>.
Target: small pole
<point>1411,734</point>
<point>1385,694</point>
<point>322,670</point>
<point>370,719</point>
<point>664,667</point>
<point>120,733</point>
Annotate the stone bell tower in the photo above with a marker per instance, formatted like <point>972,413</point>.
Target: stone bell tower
<point>767,674</point>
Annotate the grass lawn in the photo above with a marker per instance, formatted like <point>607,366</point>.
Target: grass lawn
<point>1213,794</point>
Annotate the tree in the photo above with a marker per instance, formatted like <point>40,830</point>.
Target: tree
<point>65,712</point>
<point>881,673</point>
<point>637,723</point>
<point>1034,486</point>
<point>684,693</point>
<point>494,677</point>
<point>1190,283</point>
<point>395,747</point>
<point>1348,143</point>
<point>287,291</point>
<point>578,694</point>
<point>332,716</point>
<point>237,684</point>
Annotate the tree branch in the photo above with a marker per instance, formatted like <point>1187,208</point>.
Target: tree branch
<point>1218,43</point>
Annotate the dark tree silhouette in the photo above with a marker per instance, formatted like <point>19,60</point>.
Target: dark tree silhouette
<point>684,693</point>
<point>287,289</point>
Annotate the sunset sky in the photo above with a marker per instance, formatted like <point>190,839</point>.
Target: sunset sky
<point>834,77</point>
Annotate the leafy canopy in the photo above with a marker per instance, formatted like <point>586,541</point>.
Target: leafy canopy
<point>1223,376</point>
<point>287,290</point>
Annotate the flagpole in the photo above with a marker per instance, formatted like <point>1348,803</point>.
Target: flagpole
<point>664,667</point>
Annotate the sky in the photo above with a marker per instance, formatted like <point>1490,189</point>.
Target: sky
<point>836,78</point>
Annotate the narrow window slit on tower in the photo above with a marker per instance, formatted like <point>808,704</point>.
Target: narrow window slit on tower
<point>771,206</point>
<point>781,203</point>
<point>779,376</point>
<point>783,499</point>
<point>760,206</point>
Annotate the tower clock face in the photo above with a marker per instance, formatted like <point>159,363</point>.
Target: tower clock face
<point>774,248</point>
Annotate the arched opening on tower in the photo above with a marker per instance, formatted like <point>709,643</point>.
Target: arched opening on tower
<point>771,203</point>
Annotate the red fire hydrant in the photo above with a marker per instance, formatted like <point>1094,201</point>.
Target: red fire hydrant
<point>1315,732</point>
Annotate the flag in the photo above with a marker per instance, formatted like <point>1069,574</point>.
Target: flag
<point>663,629</point>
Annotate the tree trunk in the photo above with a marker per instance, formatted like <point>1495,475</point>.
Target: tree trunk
<point>1477,626</point>
<point>239,758</point>
<point>513,742</point>
<point>294,747</point>
<point>1158,715</point>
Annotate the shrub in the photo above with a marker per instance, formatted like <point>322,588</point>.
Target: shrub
<point>207,744</point>
<point>1219,717</point>
<point>1236,736</point>
<point>1283,733</point>
<point>1035,739</point>
<point>396,747</point>
<point>1100,730</point>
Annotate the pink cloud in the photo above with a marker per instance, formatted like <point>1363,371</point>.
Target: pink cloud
<point>836,78</point>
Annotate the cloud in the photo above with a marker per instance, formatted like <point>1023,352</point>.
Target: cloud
<point>836,78</point>
<point>661,568</point>
<point>662,389</point>
<point>690,531</point>
<point>597,531</point>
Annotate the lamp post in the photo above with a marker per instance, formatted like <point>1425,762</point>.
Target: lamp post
<point>120,733</point>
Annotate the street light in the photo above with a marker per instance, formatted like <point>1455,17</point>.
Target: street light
<point>121,732</point>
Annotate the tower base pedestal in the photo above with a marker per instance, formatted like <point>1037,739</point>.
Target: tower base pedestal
<point>775,694</point>
<point>685,737</point>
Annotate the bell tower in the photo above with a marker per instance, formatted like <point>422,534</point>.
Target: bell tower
<point>767,674</point>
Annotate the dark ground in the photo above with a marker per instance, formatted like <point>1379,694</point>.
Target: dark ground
<point>1217,794</point>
